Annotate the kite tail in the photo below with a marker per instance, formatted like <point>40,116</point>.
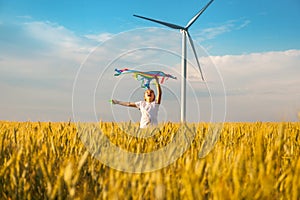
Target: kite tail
<point>135,75</point>
<point>146,85</point>
<point>120,71</point>
<point>162,80</point>
<point>145,81</point>
<point>170,76</point>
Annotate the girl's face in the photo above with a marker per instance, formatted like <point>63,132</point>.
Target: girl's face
<point>149,95</point>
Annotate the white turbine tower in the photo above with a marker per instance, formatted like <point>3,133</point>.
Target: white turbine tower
<point>184,31</point>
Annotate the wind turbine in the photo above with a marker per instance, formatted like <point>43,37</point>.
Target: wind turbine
<point>185,33</point>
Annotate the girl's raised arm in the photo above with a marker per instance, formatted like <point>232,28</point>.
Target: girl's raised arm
<point>158,89</point>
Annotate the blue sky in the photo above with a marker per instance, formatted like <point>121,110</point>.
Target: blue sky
<point>253,46</point>
<point>270,25</point>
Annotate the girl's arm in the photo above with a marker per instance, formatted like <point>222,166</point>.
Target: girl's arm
<point>158,89</point>
<point>128,104</point>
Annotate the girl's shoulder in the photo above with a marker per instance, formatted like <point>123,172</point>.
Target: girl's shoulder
<point>145,103</point>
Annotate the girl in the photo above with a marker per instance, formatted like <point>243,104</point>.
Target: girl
<point>149,107</point>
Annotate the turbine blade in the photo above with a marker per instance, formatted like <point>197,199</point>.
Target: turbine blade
<point>174,26</point>
<point>197,15</point>
<point>194,50</point>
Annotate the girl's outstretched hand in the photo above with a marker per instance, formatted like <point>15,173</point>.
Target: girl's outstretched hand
<point>113,101</point>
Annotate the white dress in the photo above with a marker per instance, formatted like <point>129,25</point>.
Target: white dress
<point>149,113</point>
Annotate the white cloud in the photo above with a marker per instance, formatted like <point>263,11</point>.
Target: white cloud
<point>38,64</point>
<point>100,37</point>
<point>244,24</point>
<point>55,36</point>
<point>228,26</point>
<point>261,86</point>
<point>256,70</point>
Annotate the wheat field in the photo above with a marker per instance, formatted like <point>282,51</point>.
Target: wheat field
<point>50,160</point>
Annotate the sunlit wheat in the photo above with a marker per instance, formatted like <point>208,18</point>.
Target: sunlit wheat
<point>40,160</point>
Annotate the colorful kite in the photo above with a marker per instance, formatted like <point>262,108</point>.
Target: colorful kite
<point>145,77</point>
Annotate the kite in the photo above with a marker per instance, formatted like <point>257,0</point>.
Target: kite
<point>145,77</point>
